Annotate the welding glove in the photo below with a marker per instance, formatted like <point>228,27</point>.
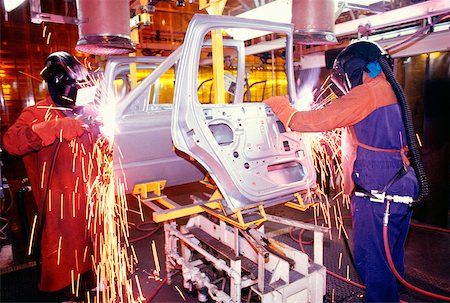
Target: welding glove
<point>282,108</point>
<point>66,128</point>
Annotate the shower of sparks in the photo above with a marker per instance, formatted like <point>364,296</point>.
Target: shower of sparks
<point>181,293</point>
<point>326,151</point>
<point>418,140</point>
<point>43,174</point>
<point>78,285</point>
<point>141,297</point>
<point>155,258</point>
<point>59,250</point>
<point>107,215</point>
<point>73,281</point>
<point>32,235</point>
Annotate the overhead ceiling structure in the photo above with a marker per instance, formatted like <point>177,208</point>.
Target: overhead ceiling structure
<point>415,26</point>
<point>161,23</point>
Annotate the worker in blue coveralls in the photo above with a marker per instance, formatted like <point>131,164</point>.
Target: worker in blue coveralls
<point>375,143</point>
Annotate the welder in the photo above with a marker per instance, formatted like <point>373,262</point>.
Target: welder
<point>377,136</point>
<point>56,145</point>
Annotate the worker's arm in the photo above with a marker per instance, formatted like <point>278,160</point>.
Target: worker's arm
<point>344,111</point>
<point>29,134</point>
<point>20,139</point>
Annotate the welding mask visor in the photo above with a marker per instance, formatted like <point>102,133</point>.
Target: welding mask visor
<point>351,63</point>
<point>64,75</point>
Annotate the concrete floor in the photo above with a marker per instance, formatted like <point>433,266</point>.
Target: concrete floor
<point>427,262</point>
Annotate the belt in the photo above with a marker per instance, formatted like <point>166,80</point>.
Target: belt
<point>376,196</point>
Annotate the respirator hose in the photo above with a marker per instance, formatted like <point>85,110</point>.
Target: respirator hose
<point>409,129</point>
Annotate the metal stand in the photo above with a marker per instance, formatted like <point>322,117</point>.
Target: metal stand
<point>229,258</point>
<point>229,263</point>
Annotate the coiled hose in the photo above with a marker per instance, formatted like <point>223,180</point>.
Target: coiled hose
<point>409,129</point>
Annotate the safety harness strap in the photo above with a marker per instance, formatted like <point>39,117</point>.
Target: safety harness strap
<point>403,150</point>
<point>380,195</point>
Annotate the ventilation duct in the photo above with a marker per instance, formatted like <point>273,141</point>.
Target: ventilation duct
<point>104,27</point>
<point>313,21</point>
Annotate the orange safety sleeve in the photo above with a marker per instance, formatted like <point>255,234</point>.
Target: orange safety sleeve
<point>346,110</point>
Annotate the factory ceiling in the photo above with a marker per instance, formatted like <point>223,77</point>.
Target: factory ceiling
<point>25,44</point>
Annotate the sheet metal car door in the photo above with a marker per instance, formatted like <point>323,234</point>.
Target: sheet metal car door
<point>243,146</point>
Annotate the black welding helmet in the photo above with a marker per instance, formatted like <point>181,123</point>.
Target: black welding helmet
<point>357,58</point>
<point>64,74</point>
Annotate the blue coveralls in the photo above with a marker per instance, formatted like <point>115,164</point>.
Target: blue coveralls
<point>372,171</point>
<point>369,112</point>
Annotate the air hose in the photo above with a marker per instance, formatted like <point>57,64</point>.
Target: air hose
<point>409,129</point>
<point>391,263</point>
<point>388,257</point>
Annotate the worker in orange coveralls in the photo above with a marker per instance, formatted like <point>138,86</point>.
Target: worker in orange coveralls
<point>375,133</point>
<point>56,147</point>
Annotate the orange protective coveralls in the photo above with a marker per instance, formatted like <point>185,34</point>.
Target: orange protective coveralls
<point>66,248</point>
<point>345,112</point>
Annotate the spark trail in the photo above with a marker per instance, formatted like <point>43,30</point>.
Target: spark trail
<point>326,151</point>
<point>107,212</point>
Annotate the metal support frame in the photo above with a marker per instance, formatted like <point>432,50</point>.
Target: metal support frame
<point>166,209</point>
<point>250,259</point>
<point>237,247</point>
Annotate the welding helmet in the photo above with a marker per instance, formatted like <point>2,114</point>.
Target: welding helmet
<point>64,75</point>
<point>357,58</point>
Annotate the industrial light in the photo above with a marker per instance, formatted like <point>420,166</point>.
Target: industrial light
<point>12,4</point>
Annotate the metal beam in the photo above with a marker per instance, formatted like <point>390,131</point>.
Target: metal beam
<point>433,42</point>
<point>395,17</point>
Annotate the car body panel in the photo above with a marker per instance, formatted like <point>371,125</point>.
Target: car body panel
<point>243,146</point>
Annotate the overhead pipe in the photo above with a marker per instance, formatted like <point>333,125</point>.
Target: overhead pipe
<point>313,21</point>
<point>104,27</point>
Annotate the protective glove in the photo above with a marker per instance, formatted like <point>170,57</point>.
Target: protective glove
<point>282,108</point>
<point>50,130</point>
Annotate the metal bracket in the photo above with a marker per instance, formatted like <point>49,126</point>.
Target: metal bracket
<point>37,16</point>
<point>298,203</point>
<point>166,209</point>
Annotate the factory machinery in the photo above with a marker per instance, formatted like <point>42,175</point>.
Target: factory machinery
<point>231,258</point>
<point>251,162</point>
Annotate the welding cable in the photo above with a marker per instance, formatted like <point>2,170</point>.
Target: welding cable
<point>392,266</point>
<point>302,231</point>
<point>151,231</point>
<point>164,281</point>
<point>435,228</point>
<point>300,242</point>
<point>388,256</point>
<point>347,245</point>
